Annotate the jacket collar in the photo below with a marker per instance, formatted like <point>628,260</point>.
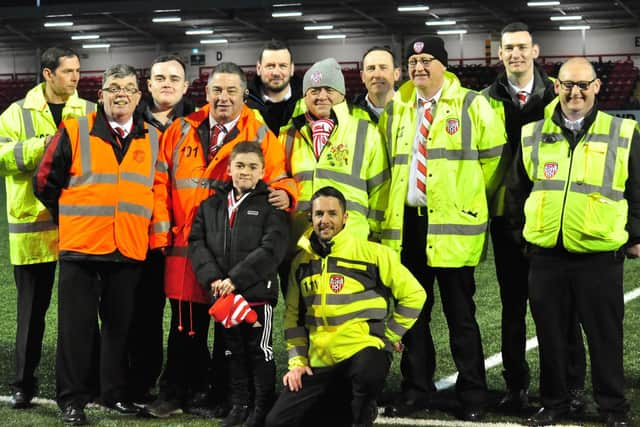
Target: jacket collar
<point>35,99</point>
<point>102,130</point>
<point>406,94</point>
<point>339,241</point>
<point>499,89</point>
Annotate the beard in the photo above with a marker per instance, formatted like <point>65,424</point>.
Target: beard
<point>273,87</point>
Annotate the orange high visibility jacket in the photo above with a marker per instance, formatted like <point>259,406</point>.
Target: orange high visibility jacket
<point>106,206</point>
<point>184,178</point>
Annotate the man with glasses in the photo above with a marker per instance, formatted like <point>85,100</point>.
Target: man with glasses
<point>573,200</point>
<point>445,144</point>
<point>96,180</point>
<point>519,96</point>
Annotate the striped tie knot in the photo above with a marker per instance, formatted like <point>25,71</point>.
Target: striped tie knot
<point>522,97</point>
<point>214,146</point>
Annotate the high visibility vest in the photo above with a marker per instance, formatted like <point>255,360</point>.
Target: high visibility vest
<point>577,194</point>
<point>353,161</point>
<point>464,148</point>
<point>107,206</point>
<point>33,236</point>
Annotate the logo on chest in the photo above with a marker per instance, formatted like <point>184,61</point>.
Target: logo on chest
<point>550,169</point>
<point>452,126</point>
<point>336,282</point>
<point>138,156</point>
<point>338,155</point>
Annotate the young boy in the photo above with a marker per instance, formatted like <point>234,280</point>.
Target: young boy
<point>236,243</point>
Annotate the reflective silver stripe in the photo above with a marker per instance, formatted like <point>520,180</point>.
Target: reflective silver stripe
<point>181,251</point>
<point>612,194</point>
<point>27,119</point>
<point>357,207</point>
<point>137,178</point>
<point>288,146</point>
<point>359,149</point>
<point>373,182</point>
<point>303,176</point>
<point>443,153</point>
<point>530,140</point>
<point>407,311</point>
<point>161,227</point>
<point>535,150</point>
<point>183,183</point>
<point>389,110</point>
<point>392,234</point>
<point>490,153</point>
<point>457,229</point>
<point>261,132</point>
<point>90,108</point>
<point>353,180</point>
<point>134,209</point>
<point>96,178</point>
<point>466,125</point>
<point>302,351</point>
<point>85,145</point>
<point>19,156</point>
<point>367,313</point>
<point>32,227</point>
<point>396,328</point>
<point>299,332</point>
<point>375,214</point>
<point>4,139</point>
<point>400,159</point>
<point>155,147</point>
<point>278,178</point>
<point>614,141</point>
<point>162,166</point>
<point>340,299</point>
<point>85,210</point>
<point>548,185</point>
<point>176,149</point>
<point>303,205</point>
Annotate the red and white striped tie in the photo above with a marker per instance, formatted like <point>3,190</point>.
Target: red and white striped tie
<point>522,97</point>
<point>421,155</point>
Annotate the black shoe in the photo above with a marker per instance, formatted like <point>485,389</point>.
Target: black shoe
<point>20,400</point>
<point>617,420</point>
<point>515,401</point>
<point>162,408</point>
<point>473,414</point>
<point>144,398</point>
<point>236,416</point>
<point>255,419</point>
<point>405,408</point>
<point>221,410</point>
<point>546,417</point>
<point>123,408</point>
<point>577,401</point>
<point>74,416</point>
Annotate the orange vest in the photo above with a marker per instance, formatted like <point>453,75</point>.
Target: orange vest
<point>107,206</point>
<point>185,178</point>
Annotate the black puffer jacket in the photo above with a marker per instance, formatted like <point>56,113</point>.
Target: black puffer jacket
<point>249,252</point>
<point>276,114</point>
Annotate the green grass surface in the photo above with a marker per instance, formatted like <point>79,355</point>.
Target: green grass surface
<point>488,314</point>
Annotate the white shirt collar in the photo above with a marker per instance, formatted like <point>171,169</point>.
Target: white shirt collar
<point>435,97</point>
<point>228,126</point>
<point>125,127</point>
<point>265,97</point>
<point>526,88</point>
<point>377,110</point>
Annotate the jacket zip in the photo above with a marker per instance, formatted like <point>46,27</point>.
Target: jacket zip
<point>566,191</point>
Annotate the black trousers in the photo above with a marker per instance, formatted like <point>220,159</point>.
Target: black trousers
<point>512,271</point>
<point>185,372</point>
<point>86,290</point>
<point>593,285</point>
<point>366,371</point>
<point>146,344</point>
<point>457,287</point>
<point>252,368</point>
<point>34,283</point>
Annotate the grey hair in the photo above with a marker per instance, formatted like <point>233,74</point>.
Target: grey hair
<point>229,68</point>
<point>119,71</point>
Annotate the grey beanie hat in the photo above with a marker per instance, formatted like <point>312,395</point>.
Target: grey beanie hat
<point>325,73</point>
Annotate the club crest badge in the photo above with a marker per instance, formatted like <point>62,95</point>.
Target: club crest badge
<point>336,282</point>
<point>418,46</point>
<point>452,126</point>
<point>138,156</point>
<point>550,169</point>
<point>316,77</point>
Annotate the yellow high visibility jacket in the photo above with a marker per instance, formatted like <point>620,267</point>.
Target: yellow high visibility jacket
<point>339,304</point>
<point>33,236</point>
<point>579,192</point>
<point>354,161</point>
<point>464,148</point>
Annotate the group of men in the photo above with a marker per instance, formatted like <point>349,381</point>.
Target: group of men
<point>427,171</point>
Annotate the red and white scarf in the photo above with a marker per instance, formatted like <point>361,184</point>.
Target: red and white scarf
<point>320,130</point>
<point>232,206</point>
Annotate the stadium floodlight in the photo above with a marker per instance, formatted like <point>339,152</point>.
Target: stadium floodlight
<point>331,36</point>
<point>288,14</point>
<point>167,19</point>
<point>574,27</point>
<point>198,32</point>
<point>96,46</point>
<point>433,23</point>
<point>566,18</point>
<point>58,24</point>
<point>542,3</point>
<point>85,37</point>
<point>214,41</point>
<point>318,27</point>
<point>413,8</point>
<point>287,4</point>
<point>166,10</point>
<point>445,32</point>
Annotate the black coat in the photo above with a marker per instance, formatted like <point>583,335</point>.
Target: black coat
<point>249,252</point>
<point>275,114</point>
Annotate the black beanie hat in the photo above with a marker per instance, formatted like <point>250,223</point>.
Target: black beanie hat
<point>428,44</point>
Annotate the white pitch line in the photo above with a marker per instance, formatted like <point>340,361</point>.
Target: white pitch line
<point>496,359</point>
<point>448,423</point>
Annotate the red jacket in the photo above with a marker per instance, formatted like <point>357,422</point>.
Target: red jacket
<point>184,179</point>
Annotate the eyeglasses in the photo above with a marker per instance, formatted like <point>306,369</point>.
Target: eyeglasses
<point>568,84</point>
<point>424,61</point>
<point>114,90</point>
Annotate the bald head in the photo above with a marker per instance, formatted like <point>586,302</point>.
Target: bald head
<point>577,86</point>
